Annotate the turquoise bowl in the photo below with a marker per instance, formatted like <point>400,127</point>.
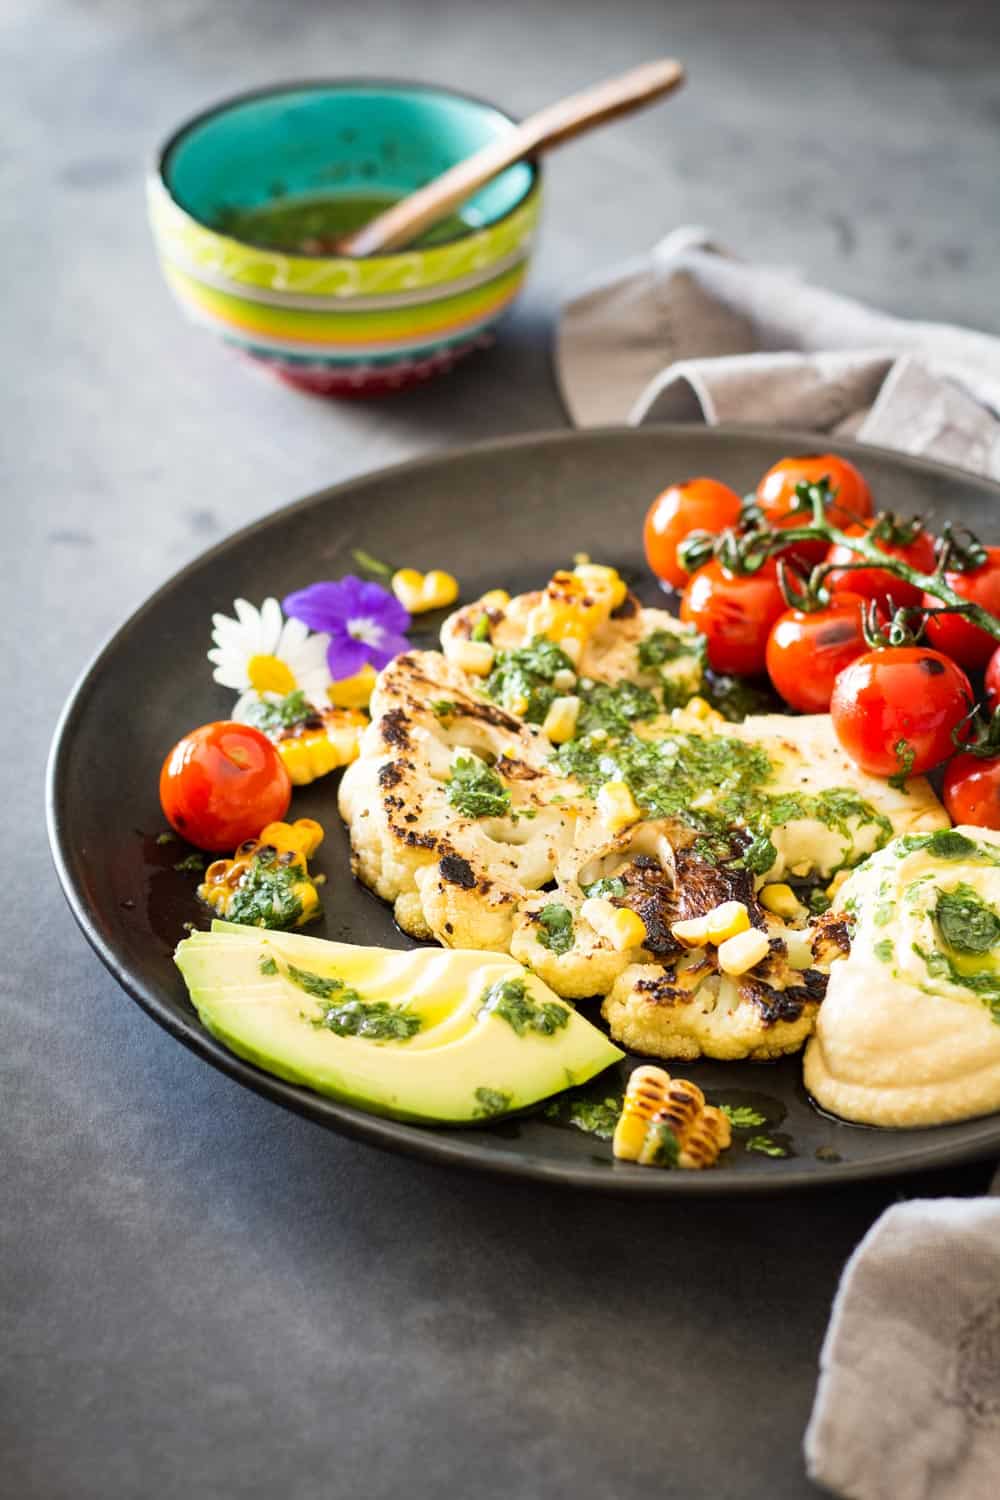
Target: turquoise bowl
<point>326,322</point>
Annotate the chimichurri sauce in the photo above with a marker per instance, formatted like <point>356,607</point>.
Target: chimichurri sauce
<point>313,225</point>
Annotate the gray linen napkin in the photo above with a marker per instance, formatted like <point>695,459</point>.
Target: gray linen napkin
<point>908,1401</point>
<point>688,332</point>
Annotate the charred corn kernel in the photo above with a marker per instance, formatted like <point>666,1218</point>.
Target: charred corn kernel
<point>417,592</point>
<point>837,881</point>
<point>700,708</point>
<point>666,1122</point>
<point>781,901</point>
<point>560,721</point>
<point>353,692</point>
<point>617,806</point>
<point>495,599</point>
<point>693,932</point>
<point>474,657</point>
<point>740,953</point>
<point>618,925</point>
<point>267,881</point>
<point>602,581</point>
<point>726,920</point>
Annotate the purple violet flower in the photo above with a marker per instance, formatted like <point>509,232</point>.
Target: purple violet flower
<point>364,621</point>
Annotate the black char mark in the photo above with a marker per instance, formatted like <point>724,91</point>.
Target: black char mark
<point>457,871</point>
<point>394,730</point>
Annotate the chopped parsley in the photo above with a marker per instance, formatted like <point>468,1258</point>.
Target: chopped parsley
<point>441,708</point>
<point>905,756</point>
<point>965,921</point>
<point>594,1116</point>
<point>481,630</point>
<point>166,837</point>
<point>345,1013</point>
<point>944,843</point>
<point>665,1148</point>
<point>522,681</point>
<point>743,1116</point>
<point>884,950</point>
<point>509,999</point>
<point>613,706</point>
<point>267,896</point>
<point>191,862</point>
<point>491,1102</point>
<point>271,716</point>
<point>759,855</point>
<point>476,789</point>
<point>555,927</point>
<point>371,564</point>
<point>765,1145</point>
<point>607,886</point>
<point>985,983</point>
<point>668,645</point>
<point>267,965</point>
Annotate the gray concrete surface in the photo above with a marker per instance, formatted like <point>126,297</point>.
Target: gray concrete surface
<point>201,1296</point>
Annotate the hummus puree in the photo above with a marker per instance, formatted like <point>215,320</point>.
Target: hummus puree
<point>900,1040</point>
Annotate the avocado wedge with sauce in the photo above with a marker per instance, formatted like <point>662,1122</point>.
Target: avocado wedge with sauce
<point>431,1035</point>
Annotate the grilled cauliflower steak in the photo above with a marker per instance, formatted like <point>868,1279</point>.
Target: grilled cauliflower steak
<point>551,787</point>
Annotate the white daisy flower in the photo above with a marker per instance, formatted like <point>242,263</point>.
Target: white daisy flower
<point>262,651</point>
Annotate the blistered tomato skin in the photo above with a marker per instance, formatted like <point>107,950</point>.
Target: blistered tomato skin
<point>878,583</point>
<point>734,612</point>
<point>806,651</point>
<point>221,784</point>
<point>895,709</point>
<point>972,791</point>
<point>967,644</point>
<point>695,505</point>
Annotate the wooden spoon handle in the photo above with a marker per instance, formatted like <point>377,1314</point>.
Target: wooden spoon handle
<point>406,221</point>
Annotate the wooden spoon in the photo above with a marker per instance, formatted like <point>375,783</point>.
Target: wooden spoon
<point>408,219</point>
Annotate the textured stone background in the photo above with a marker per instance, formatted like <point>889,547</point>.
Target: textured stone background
<point>202,1296</point>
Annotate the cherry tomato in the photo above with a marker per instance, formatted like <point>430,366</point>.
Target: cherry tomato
<point>894,709</point>
<point>877,583</point>
<point>221,784</point>
<point>966,643</point>
<point>806,650</point>
<point>735,612</point>
<point>972,791</point>
<point>695,505</point>
<point>993,682</point>
<point>777,499</point>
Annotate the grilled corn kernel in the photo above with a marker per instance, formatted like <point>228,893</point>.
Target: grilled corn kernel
<point>303,837</point>
<point>353,692</point>
<point>560,721</point>
<point>618,925</point>
<point>417,592</point>
<point>666,1122</point>
<point>693,932</point>
<point>310,753</point>
<point>837,881</point>
<point>617,806</point>
<point>564,681</point>
<point>474,657</point>
<point>781,901</point>
<point>726,920</point>
<point>572,648</point>
<point>603,582</point>
<point>740,953</point>
<point>495,599</point>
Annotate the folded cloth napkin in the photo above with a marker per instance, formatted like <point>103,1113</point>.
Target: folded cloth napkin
<point>688,332</point>
<point>908,1401</point>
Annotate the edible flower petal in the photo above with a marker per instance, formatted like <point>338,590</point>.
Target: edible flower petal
<point>365,624</point>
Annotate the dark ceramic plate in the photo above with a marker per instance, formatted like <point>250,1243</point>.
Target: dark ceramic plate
<point>506,514</point>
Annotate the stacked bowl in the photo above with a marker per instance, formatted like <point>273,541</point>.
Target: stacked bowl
<point>327,322</point>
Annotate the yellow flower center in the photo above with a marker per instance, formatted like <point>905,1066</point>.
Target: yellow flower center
<point>268,674</point>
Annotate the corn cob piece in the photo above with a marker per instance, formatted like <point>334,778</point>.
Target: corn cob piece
<point>267,881</point>
<point>666,1122</point>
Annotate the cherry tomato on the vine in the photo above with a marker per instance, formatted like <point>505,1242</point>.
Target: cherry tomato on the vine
<point>221,784</point>
<point>894,709</point>
<point>993,682</point>
<point>972,790</point>
<point>696,505</point>
<point>735,612</point>
<point>878,583</point>
<point>807,649</point>
<point>778,501</point>
<point>968,644</point>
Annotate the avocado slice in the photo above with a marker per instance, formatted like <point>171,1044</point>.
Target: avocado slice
<point>430,1035</point>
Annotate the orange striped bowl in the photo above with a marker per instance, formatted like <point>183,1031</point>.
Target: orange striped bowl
<point>328,323</point>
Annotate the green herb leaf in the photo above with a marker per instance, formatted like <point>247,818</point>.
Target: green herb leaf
<point>491,1102</point>
<point>555,927</point>
<point>509,999</point>
<point>905,756</point>
<point>371,564</point>
<point>765,1145</point>
<point>743,1116</point>
<point>476,789</point>
<point>608,886</point>
<point>966,922</point>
